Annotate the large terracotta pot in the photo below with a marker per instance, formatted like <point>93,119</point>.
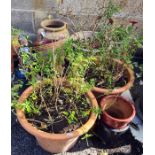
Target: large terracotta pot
<point>130,76</point>
<point>117,111</point>
<point>54,29</point>
<point>56,143</point>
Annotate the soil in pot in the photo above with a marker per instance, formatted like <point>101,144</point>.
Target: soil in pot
<point>116,113</point>
<point>66,114</point>
<point>112,76</point>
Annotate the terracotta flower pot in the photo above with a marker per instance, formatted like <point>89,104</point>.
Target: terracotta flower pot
<point>117,111</point>
<point>130,76</point>
<point>52,35</point>
<point>56,143</point>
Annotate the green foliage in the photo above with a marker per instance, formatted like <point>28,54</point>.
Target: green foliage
<point>28,107</point>
<point>14,93</point>
<point>78,65</point>
<point>41,65</point>
<point>86,136</point>
<point>97,111</point>
<point>71,117</point>
<point>83,71</point>
<point>15,31</point>
<point>49,66</point>
<point>111,9</point>
<point>114,42</point>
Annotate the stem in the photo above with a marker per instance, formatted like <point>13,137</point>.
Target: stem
<point>42,99</point>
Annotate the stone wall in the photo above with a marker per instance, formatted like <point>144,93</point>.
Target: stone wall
<point>27,14</point>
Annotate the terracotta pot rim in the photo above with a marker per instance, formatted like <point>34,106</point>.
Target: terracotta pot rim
<point>38,133</point>
<point>43,25</point>
<point>121,120</point>
<point>129,84</point>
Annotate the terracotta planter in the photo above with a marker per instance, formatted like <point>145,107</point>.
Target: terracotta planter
<point>130,76</point>
<point>54,29</point>
<point>56,143</point>
<point>117,111</point>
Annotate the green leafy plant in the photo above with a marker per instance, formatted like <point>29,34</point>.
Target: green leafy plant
<point>15,31</point>
<point>110,42</point>
<point>60,93</point>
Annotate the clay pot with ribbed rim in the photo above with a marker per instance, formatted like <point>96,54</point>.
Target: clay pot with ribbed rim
<point>117,111</point>
<point>128,72</point>
<point>54,29</point>
<point>52,34</point>
<point>51,142</point>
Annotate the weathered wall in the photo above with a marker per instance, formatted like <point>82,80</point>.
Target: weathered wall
<point>27,14</point>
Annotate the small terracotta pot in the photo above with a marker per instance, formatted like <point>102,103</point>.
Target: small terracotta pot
<point>130,76</point>
<point>117,111</point>
<point>56,143</point>
<point>55,29</point>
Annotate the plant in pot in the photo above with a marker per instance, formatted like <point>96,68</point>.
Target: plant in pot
<point>117,45</point>
<point>56,110</point>
<point>112,72</point>
<point>92,40</point>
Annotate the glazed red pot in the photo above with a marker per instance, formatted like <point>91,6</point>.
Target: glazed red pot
<point>117,111</point>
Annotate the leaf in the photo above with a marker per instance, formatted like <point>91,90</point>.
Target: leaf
<point>65,113</point>
<point>86,136</point>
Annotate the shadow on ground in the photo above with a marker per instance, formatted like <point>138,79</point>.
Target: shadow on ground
<point>25,144</point>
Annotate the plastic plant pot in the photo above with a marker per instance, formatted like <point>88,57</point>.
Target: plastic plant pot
<point>117,111</point>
